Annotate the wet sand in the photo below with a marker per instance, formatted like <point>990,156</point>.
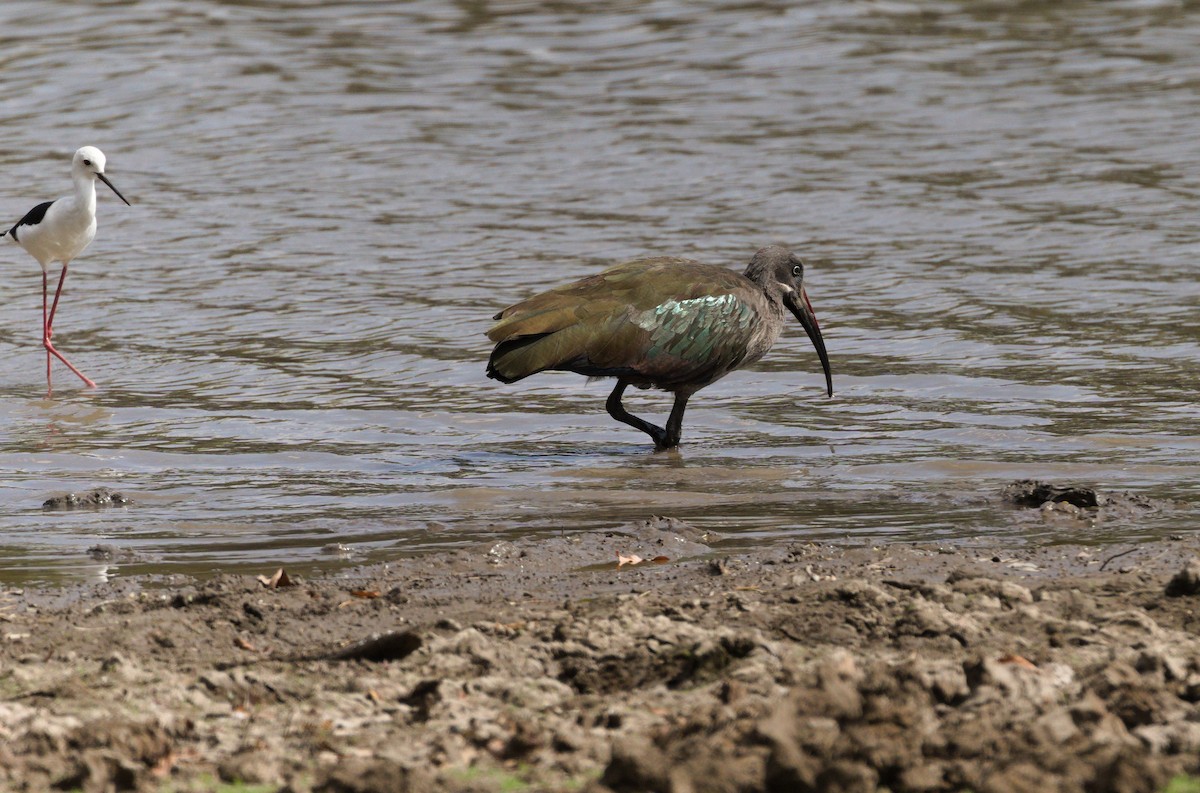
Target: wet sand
<point>541,665</point>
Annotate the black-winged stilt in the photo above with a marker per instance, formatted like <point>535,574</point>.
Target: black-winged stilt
<point>58,231</point>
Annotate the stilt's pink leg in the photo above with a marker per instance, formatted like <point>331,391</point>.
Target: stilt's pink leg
<point>50,349</point>
<point>49,331</point>
<point>54,306</point>
<point>46,329</point>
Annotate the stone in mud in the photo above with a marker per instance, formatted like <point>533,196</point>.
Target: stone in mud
<point>99,497</point>
<point>1032,493</point>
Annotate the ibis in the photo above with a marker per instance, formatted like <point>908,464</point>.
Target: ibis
<point>663,322</point>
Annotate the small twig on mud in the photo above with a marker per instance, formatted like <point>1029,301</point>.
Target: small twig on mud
<point>1117,556</point>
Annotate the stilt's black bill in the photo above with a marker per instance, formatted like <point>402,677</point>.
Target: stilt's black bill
<point>104,179</point>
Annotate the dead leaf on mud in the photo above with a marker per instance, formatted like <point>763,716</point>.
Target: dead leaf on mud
<point>243,644</point>
<point>624,560</point>
<point>280,579</point>
<point>367,594</point>
<point>1017,660</point>
<point>660,560</point>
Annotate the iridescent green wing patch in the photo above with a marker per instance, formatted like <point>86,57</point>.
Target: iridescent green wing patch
<point>712,330</point>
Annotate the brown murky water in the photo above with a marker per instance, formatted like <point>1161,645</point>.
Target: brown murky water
<point>997,203</point>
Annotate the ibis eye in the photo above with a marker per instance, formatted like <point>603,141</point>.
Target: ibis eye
<point>797,271</point>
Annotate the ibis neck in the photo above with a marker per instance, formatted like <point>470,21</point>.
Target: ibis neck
<point>774,295</point>
<point>768,327</point>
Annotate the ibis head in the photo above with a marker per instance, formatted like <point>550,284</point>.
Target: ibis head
<point>780,274</point>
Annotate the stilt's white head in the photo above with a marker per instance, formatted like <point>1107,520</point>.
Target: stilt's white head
<point>89,162</point>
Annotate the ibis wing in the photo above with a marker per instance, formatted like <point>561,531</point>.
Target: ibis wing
<point>654,318</point>
<point>550,311</point>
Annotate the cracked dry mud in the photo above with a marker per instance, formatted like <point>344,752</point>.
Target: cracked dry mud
<point>539,665</point>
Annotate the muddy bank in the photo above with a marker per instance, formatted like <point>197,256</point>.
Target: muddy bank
<point>541,665</point>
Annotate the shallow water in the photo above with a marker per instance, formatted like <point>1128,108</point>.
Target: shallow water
<point>996,203</point>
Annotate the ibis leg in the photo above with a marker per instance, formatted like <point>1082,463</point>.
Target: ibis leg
<point>618,411</point>
<point>48,331</point>
<point>675,421</point>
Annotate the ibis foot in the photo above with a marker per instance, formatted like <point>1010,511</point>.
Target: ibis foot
<point>663,438</point>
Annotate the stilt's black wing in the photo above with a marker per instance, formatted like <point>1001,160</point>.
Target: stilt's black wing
<point>32,218</point>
